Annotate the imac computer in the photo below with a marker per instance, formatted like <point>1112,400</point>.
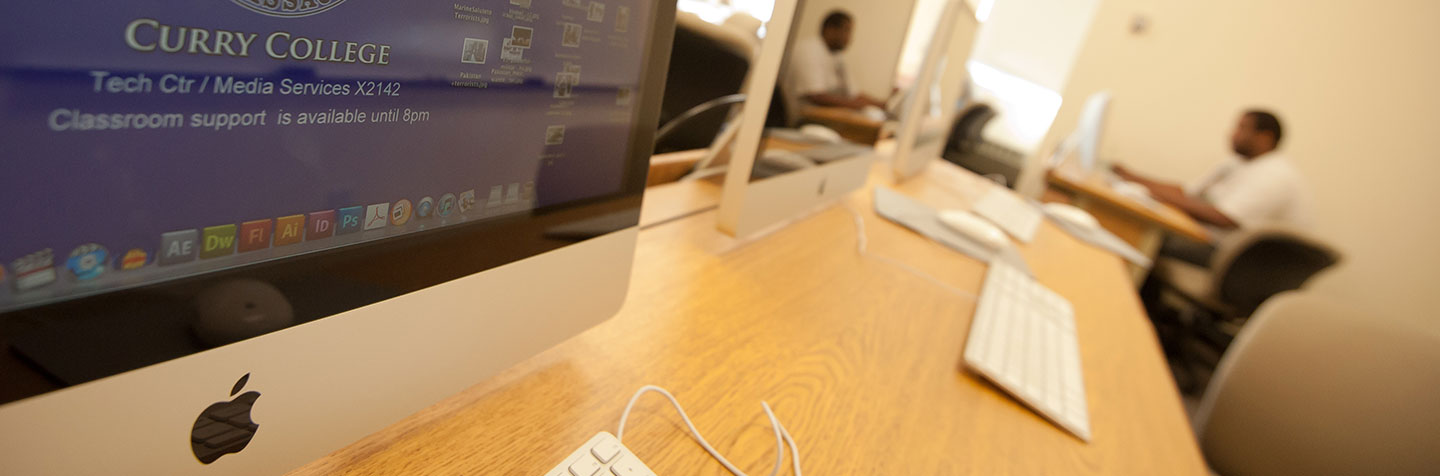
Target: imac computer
<point>924,124</point>
<point>774,177</point>
<point>239,235</point>
<point>1080,152</point>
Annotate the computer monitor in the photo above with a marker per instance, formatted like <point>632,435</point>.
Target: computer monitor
<point>751,204</point>
<point>924,123</point>
<point>1081,150</point>
<point>278,227</point>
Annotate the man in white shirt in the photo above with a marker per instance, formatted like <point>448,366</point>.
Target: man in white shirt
<point>1260,186</point>
<point>816,72</point>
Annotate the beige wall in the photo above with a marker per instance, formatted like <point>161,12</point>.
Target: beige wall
<point>1357,84</point>
<point>1035,39</point>
<point>879,33</point>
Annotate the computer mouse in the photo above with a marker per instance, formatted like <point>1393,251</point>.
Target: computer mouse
<point>972,226</point>
<point>1072,215</point>
<point>873,113</point>
<point>821,133</point>
<point>239,309</point>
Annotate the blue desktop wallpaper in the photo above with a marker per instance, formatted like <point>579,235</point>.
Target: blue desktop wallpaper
<point>143,141</point>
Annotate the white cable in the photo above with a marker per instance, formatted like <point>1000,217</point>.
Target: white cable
<point>794,450</point>
<point>861,240</point>
<point>716,147</point>
<point>862,243</point>
<point>775,426</point>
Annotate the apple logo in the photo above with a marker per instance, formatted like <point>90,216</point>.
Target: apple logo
<point>225,427</point>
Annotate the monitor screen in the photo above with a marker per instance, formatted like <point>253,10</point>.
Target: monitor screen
<point>147,141</point>
<point>150,146</point>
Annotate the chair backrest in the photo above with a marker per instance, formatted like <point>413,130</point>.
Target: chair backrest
<point>707,61</point>
<point>1253,264</point>
<point>782,110</point>
<point>965,135</point>
<point>1316,387</point>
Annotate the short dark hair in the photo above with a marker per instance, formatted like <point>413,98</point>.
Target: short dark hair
<point>1265,121</point>
<point>836,19</point>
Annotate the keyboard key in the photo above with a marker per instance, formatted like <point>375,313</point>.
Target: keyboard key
<point>606,450</point>
<point>585,466</point>
<point>603,455</point>
<point>629,466</point>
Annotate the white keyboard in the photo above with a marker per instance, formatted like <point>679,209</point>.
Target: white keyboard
<point>603,455</point>
<point>1023,340</point>
<point>1011,213</point>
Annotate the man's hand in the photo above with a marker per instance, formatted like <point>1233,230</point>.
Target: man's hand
<point>1126,174</point>
<point>1171,194</point>
<point>835,100</point>
<point>870,101</point>
<point>1198,209</point>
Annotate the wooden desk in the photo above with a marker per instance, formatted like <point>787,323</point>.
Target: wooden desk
<point>670,167</point>
<point>848,122</point>
<point>677,200</point>
<point>859,358</point>
<point>1143,226</point>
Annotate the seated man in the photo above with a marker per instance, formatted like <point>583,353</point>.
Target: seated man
<point>816,73</point>
<point>1260,186</point>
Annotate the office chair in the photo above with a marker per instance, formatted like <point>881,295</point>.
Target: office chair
<point>783,109</point>
<point>967,147</point>
<point>707,62</point>
<point>1247,268</point>
<point>1315,387</point>
<point>965,135</point>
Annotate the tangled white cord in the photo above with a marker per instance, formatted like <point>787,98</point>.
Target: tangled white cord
<point>782,436</point>
<point>862,242</point>
<point>780,433</point>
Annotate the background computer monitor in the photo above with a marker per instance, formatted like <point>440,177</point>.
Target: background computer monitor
<point>749,204</point>
<point>1080,151</point>
<point>924,125</point>
<point>332,215</point>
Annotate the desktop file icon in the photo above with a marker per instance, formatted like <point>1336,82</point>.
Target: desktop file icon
<point>349,219</point>
<point>377,216</point>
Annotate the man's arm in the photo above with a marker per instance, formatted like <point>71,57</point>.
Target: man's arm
<point>836,100</point>
<point>1175,196</point>
<point>1198,209</point>
<point>871,100</point>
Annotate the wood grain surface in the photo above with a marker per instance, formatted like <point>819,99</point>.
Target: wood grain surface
<point>859,358</point>
<point>670,167</point>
